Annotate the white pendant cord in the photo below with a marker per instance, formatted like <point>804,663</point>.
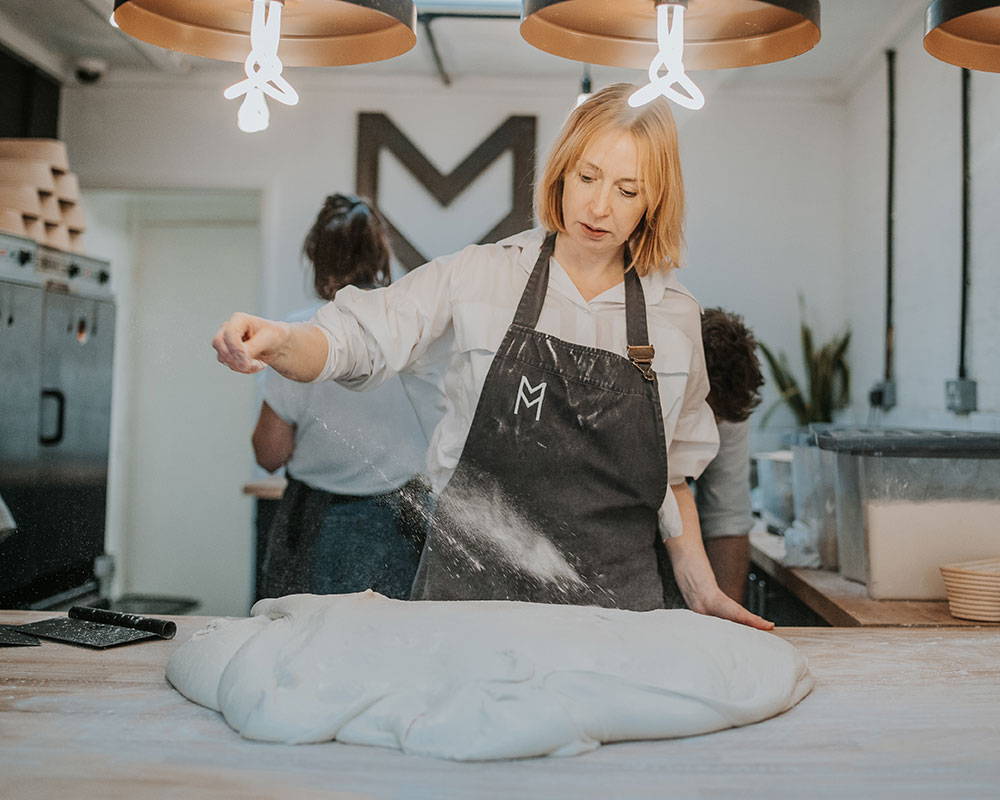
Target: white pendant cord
<point>263,69</point>
<point>670,58</point>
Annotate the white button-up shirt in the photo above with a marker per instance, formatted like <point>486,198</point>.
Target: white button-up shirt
<point>441,325</point>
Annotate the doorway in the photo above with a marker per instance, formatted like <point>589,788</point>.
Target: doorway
<point>178,523</point>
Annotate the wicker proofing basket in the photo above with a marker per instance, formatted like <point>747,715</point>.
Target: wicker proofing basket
<point>974,589</point>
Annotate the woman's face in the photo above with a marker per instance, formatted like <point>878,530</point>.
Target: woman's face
<point>602,199</point>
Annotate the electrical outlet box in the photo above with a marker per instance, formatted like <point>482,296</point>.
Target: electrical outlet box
<point>883,395</point>
<point>960,395</point>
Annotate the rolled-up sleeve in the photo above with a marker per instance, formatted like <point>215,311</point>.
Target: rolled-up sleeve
<point>696,439</point>
<point>375,334</point>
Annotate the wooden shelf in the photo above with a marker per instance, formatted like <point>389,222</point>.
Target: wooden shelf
<point>845,603</point>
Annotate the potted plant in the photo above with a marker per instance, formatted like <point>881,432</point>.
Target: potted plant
<point>827,387</point>
<point>811,540</point>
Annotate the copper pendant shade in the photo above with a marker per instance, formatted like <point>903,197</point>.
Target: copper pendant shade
<point>314,33</point>
<point>717,34</point>
<point>965,33</point>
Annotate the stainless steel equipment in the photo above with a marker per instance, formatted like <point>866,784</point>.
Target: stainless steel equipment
<point>57,320</point>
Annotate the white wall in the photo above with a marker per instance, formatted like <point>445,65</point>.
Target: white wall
<point>765,188</point>
<point>928,237</point>
<point>764,175</point>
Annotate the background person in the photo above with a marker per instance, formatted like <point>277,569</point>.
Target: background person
<point>345,522</point>
<point>575,380</point>
<point>722,492</point>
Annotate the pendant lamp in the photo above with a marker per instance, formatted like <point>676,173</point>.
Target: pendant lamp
<point>314,33</point>
<point>717,33</point>
<point>268,34</point>
<point>965,33</point>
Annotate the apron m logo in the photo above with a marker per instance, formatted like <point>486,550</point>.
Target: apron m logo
<point>526,389</point>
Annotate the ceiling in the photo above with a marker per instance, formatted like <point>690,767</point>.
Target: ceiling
<point>60,32</point>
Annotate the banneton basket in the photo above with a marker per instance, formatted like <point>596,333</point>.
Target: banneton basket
<point>52,152</point>
<point>11,221</point>
<point>974,589</point>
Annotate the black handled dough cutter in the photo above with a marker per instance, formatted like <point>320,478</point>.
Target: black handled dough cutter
<point>98,628</point>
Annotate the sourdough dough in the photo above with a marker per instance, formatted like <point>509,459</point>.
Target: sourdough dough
<point>482,680</point>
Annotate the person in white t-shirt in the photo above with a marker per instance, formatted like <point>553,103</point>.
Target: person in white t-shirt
<point>574,380</point>
<point>347,520</point>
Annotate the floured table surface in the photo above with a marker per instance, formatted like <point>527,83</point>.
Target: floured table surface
<point>895,713</point>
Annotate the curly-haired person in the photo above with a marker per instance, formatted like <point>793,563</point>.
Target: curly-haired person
<point>722,492</point>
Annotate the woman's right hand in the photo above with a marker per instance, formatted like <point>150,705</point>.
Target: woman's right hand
<point>247,344</point>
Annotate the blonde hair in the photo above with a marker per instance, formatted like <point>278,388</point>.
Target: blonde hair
<point>658,238</point>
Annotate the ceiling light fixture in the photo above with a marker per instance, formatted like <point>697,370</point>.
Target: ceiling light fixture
<point>674,83</point>
<point>276,33</point>
<point>965,33</point>
<point>667,37</point>
<point>263,69</point>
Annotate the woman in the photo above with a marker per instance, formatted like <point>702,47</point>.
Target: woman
<point>551,461</point>
<point>344,523</point>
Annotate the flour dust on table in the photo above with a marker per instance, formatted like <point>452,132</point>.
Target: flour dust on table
<point>480,680</point>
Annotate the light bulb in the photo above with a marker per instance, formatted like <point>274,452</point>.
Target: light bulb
<point>263,69</point>
<point>253,115</point>
<point>674,83</point>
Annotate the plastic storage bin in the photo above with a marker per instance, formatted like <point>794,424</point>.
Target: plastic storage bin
<point>811,541</point>
<point>909,501</point>
<point>774,482</point>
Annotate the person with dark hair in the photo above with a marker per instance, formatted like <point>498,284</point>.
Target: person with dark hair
<point>722,492</point>
<point>345,522</point>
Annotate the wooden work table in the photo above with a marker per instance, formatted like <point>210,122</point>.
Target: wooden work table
<point>895,713</point>
<point>846,603</point>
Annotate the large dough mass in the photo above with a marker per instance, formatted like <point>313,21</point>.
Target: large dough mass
<point>482,680</point>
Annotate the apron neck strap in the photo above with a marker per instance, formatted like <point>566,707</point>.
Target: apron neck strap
<point>640,351</point>
<point>533,296</point>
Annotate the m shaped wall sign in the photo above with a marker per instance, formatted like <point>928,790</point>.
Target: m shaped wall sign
<point>515,135</point>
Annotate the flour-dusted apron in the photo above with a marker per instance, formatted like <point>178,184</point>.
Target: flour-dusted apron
<point>555,496</point>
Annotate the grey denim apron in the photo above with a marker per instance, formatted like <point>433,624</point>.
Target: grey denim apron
<point>556,494</point>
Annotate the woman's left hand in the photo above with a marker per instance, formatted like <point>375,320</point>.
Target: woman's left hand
<point>719,604</point>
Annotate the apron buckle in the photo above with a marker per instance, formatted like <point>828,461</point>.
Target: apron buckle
<point>641,355</point>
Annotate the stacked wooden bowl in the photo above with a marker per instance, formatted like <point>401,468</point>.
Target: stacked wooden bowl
<point>39,196</point>
<point>974,589</point>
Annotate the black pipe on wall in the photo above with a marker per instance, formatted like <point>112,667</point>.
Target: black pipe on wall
<point>966,185</point>
<point>890,220</point>
<point>883,393</point>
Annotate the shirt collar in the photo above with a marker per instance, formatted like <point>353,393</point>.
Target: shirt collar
<point>654,285</point>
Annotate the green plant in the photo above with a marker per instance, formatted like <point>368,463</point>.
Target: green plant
<point>828,378</point>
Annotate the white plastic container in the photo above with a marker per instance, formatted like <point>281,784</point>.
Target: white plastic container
<point>811,541</point>
<point>774,479</point>
<point>909,501</point>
